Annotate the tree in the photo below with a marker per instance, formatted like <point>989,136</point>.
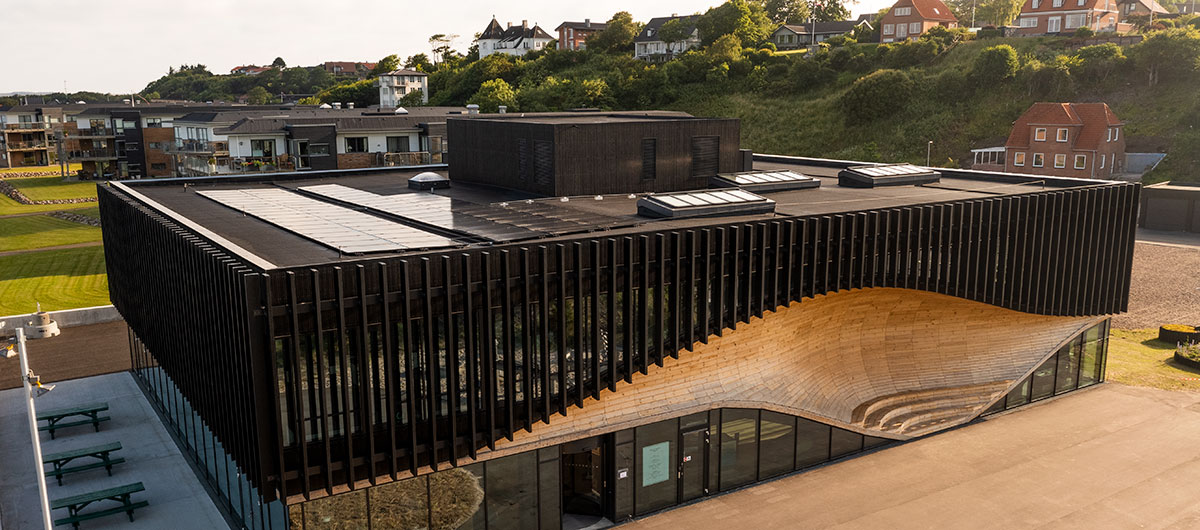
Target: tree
<point>1097,62</point>
<point>440,44</point>
<point>617,36</point>
<point>416,98</point>
<point>995,64</point>
<point>830,11</point>
<point>726,49</point>
<point>1172,52</point>
<point>876,95</point>
<point>735,17</point>
<point>385,65</point>
<point>258,96</point>
<point>492,94</point>
<point>785,11</point>
<point>676,30</point>
<point>998,12</point>
<point>278,63</point>
<point>419,62</point>
<point>362,93</point>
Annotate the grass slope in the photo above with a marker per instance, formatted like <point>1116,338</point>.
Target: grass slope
<point>37,231</point>
<point>52,188</point>
<point>59,279</point>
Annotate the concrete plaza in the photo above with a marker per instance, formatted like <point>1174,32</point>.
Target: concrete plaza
<point>177,500</point>
<point>1112,456</point>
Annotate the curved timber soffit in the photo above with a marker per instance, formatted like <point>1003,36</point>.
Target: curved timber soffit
<point>825,358</point>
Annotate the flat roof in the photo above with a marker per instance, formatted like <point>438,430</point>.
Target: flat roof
<point>547,219</point>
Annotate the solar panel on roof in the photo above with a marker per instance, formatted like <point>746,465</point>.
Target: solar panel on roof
<point>331,225</point>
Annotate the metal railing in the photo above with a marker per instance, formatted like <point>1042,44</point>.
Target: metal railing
<point>27,126</point>
<point>87,154</point>
<point>413,158</point>
<point>92,133</point>
<point>13,146</point>
<point>197,146</point>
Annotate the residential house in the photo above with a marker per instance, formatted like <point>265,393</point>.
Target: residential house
<point>1084,140</point>
<point>793,36</point>
<point>1141,8</point>
<point>1042,17</point>
<point>347,68</point>
<point>249,70</point>
<point>513,40</point>
<point>574,35</point>
<point>394,85</point>
<point>908,19</point>
<point>649,46</point>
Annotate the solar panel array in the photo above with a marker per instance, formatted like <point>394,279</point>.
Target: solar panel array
<point>328,224</point>
<point>704,203</point>
<point>503,222</point>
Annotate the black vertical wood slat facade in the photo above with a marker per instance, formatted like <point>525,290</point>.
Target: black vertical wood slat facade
<point>389,365</point>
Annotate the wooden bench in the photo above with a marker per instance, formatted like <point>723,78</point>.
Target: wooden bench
<point>75,503</point>
<point>54,417</point>
<point>100,452</point>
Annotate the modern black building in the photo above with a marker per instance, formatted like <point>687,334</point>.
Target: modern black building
<point>339,350</point>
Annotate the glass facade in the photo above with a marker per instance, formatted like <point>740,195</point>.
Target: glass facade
<point>636,471</point>
<point>1078,364</point>
<point>207,454</point>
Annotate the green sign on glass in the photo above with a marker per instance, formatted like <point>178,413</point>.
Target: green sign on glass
<point>656,463</point>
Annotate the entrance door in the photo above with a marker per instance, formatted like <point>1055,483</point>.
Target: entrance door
<point>692,465</point>
<point>583,494</point>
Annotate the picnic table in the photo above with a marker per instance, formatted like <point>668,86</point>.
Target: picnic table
<point>75,503</point>
<point>54,418</point>
<point>100,452</point>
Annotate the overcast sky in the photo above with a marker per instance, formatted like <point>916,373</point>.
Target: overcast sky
<point>119,46</point>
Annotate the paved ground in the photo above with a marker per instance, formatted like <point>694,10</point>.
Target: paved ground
<point>78,352</point>
<point>177,500</point>
<point>1109,457</point>
<point>1165,287</point>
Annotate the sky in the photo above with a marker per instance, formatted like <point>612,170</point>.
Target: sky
<point>119,46</point>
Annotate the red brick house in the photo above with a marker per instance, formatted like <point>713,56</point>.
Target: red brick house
<point>1041,17</point>
<point>908,19</point>
<point>1082,140</point>
<point>574,35</point>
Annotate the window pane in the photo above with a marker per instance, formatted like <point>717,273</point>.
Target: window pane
<point>844,442</point>
<point>1068,366</point>
<point>656,457</point>
<point>345,511</point>
<point>1018,396</point>
<point>872,442</point>
<point>1043,379</point>
<point>403,505</point>
<point>512,492</point>
<point>456,498</point>
<point>739,447</point>
<point>812,443</point>
<point>778,441</point>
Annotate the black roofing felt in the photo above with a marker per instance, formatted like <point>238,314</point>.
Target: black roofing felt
<point>505,214</point>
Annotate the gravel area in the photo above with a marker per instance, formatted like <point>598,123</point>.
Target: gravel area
<point>1165,287</point>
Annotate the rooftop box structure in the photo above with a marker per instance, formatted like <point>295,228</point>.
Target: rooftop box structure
<point>592,153</point>
<point>764,181</point>
<point>886,175</point>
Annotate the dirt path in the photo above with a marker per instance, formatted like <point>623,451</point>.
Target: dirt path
<point>57,247</point>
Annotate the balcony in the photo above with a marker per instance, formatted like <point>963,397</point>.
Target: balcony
<point>26,146</point>
<point>100,132</point>
<point>413,158</point>
<point>27,126</point>
<point>91,154</point>
<point>198,147</point>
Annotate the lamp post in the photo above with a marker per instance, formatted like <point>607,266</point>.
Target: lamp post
<point>28,380</point>
<point>928,150</point>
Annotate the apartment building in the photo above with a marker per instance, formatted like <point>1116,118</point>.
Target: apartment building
<point>394,85</point>
<point>574,35</point>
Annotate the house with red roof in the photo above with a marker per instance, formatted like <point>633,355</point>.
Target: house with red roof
<point>908,19</point>
<point>1084,140</point>
<point>1048,17</point>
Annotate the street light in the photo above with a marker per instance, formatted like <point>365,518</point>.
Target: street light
<point>33,388</point>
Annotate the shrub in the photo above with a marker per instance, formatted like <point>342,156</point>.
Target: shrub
<point>1084,32</point>
<point>768,46</point>
<point>492,94</point>
<point>807,74</point>
<point>995,64</point>
<point>1096,62</point>
<point>878,94</point>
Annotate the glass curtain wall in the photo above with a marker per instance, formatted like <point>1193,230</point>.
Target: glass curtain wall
<point>1078,364</point>
<point>195,439</point>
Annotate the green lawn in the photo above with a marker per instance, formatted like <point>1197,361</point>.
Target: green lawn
<point>59,279</point>
<point>1136,357</point>
<point>49,188</point>
<point>71,169</point>
<point>93,212</point>
<point>9,206</point>
<point>37,231</point>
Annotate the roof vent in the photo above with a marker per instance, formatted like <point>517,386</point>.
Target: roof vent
<point>765,181</point>
<point>472,109</point>
<point>886,175</point>
<point>428,181</point>
<point>325,106</point>
<point>704,204</point>
<point>400,110</point>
